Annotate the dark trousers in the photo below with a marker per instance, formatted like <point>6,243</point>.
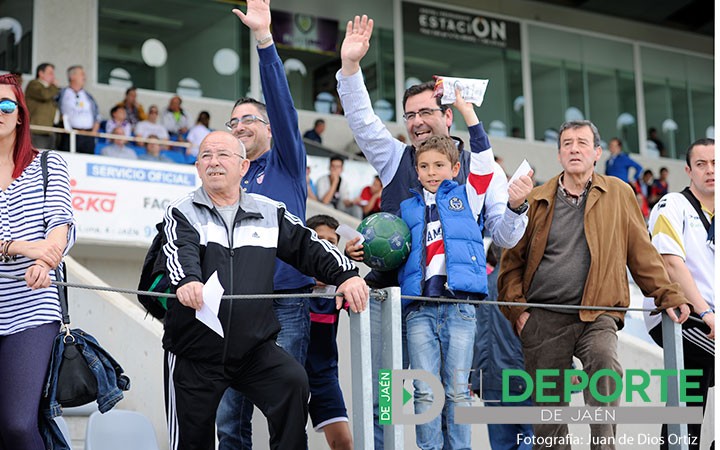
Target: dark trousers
<point>43,141</point>
<point>698,353</point>
<point>83,144</point>
<point>268,376</point>
<point>24,360</point>
<point>550,340</point>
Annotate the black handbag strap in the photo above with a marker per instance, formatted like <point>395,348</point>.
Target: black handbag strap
<point>698,207</point>
<point>60,271</point>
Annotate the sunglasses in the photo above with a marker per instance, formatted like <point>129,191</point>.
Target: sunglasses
<point>8,106</point>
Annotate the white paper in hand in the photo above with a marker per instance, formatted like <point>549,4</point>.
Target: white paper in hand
<point>208,314</point>
<point>524,169</point>
<point>471,89</point>
<point>346,232</point>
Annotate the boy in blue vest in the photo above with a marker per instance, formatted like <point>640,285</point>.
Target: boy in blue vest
<point>447,260</point>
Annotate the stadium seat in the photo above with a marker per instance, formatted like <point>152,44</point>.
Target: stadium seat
<point>120,429</point>
<point>64,430</point>
<point>99,146</point>
<point>175,155</point>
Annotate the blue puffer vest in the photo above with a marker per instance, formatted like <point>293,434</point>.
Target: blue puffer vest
<point>462,236</point>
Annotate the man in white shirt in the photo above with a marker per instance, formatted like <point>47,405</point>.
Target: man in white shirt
<point>682,230</point>
<point>118,147</point>
<point>80,110</point>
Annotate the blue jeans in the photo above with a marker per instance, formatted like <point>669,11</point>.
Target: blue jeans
<point>234,414</point>
<point>440,341</point>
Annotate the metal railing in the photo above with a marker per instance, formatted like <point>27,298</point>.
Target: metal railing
<point>74,133</point>
<point>391,335</point>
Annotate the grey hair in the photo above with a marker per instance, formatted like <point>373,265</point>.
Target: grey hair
<point>574,124</point>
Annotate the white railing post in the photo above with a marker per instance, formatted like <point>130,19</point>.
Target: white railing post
<point>361,367</point>
<point>673,360</point>
<point>391,313</point>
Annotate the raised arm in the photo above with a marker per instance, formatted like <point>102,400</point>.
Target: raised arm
<point>290,150</point>
<point>378,145</point>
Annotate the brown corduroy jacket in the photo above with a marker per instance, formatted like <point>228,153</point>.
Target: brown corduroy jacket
<point>616,236</point>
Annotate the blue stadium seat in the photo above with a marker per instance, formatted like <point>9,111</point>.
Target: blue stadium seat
<point>175,155</point>
<point>120,430</point>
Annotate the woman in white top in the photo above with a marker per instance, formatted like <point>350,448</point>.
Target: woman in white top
<point>36,229</point>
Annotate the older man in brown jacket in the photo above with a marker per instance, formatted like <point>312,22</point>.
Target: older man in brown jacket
<point>583,230</point>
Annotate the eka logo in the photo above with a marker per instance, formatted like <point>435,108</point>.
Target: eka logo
<point>93,201</point>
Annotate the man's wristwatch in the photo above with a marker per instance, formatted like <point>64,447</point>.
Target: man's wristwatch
<point>520,209</point>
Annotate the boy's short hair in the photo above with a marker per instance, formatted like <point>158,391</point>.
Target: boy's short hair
<point>443,144</point>
<point>322,219</point>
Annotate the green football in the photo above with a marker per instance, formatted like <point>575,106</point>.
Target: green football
<point>387,241</point>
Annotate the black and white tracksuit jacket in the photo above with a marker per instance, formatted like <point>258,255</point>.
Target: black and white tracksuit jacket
<point>198,245</point>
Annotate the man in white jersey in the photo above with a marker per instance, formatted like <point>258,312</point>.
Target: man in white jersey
<point>682,230</point>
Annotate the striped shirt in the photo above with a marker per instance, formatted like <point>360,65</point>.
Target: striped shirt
<point>26,216</point>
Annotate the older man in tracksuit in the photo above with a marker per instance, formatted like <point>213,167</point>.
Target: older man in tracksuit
<point>218,229</point>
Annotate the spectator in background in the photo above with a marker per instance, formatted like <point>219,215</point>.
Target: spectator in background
<point>81,111</point>
<point>151,126</point>
<point>311,188</point>
<point>643,191</point>
<point>331,189</point>
<point>118,119</point>
<point>118,148</point>
<point>316,133</point>
<point>153,152</point>
<point>198,132</point>
<point>134,111</point>
<point>40,95</point>
<point>175,120</point>
<point>660,188</point>
<point>369,199</point>
<point>619,163</point>
<point>652,137</point>
<point>401,137</point>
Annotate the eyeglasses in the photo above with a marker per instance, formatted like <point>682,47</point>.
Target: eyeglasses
<point>221,156</point>
<point>8,106</point>
<point>424,113</point>
<point>245,120</point>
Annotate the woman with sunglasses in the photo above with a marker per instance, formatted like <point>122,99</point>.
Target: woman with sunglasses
<point>36,229</point>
